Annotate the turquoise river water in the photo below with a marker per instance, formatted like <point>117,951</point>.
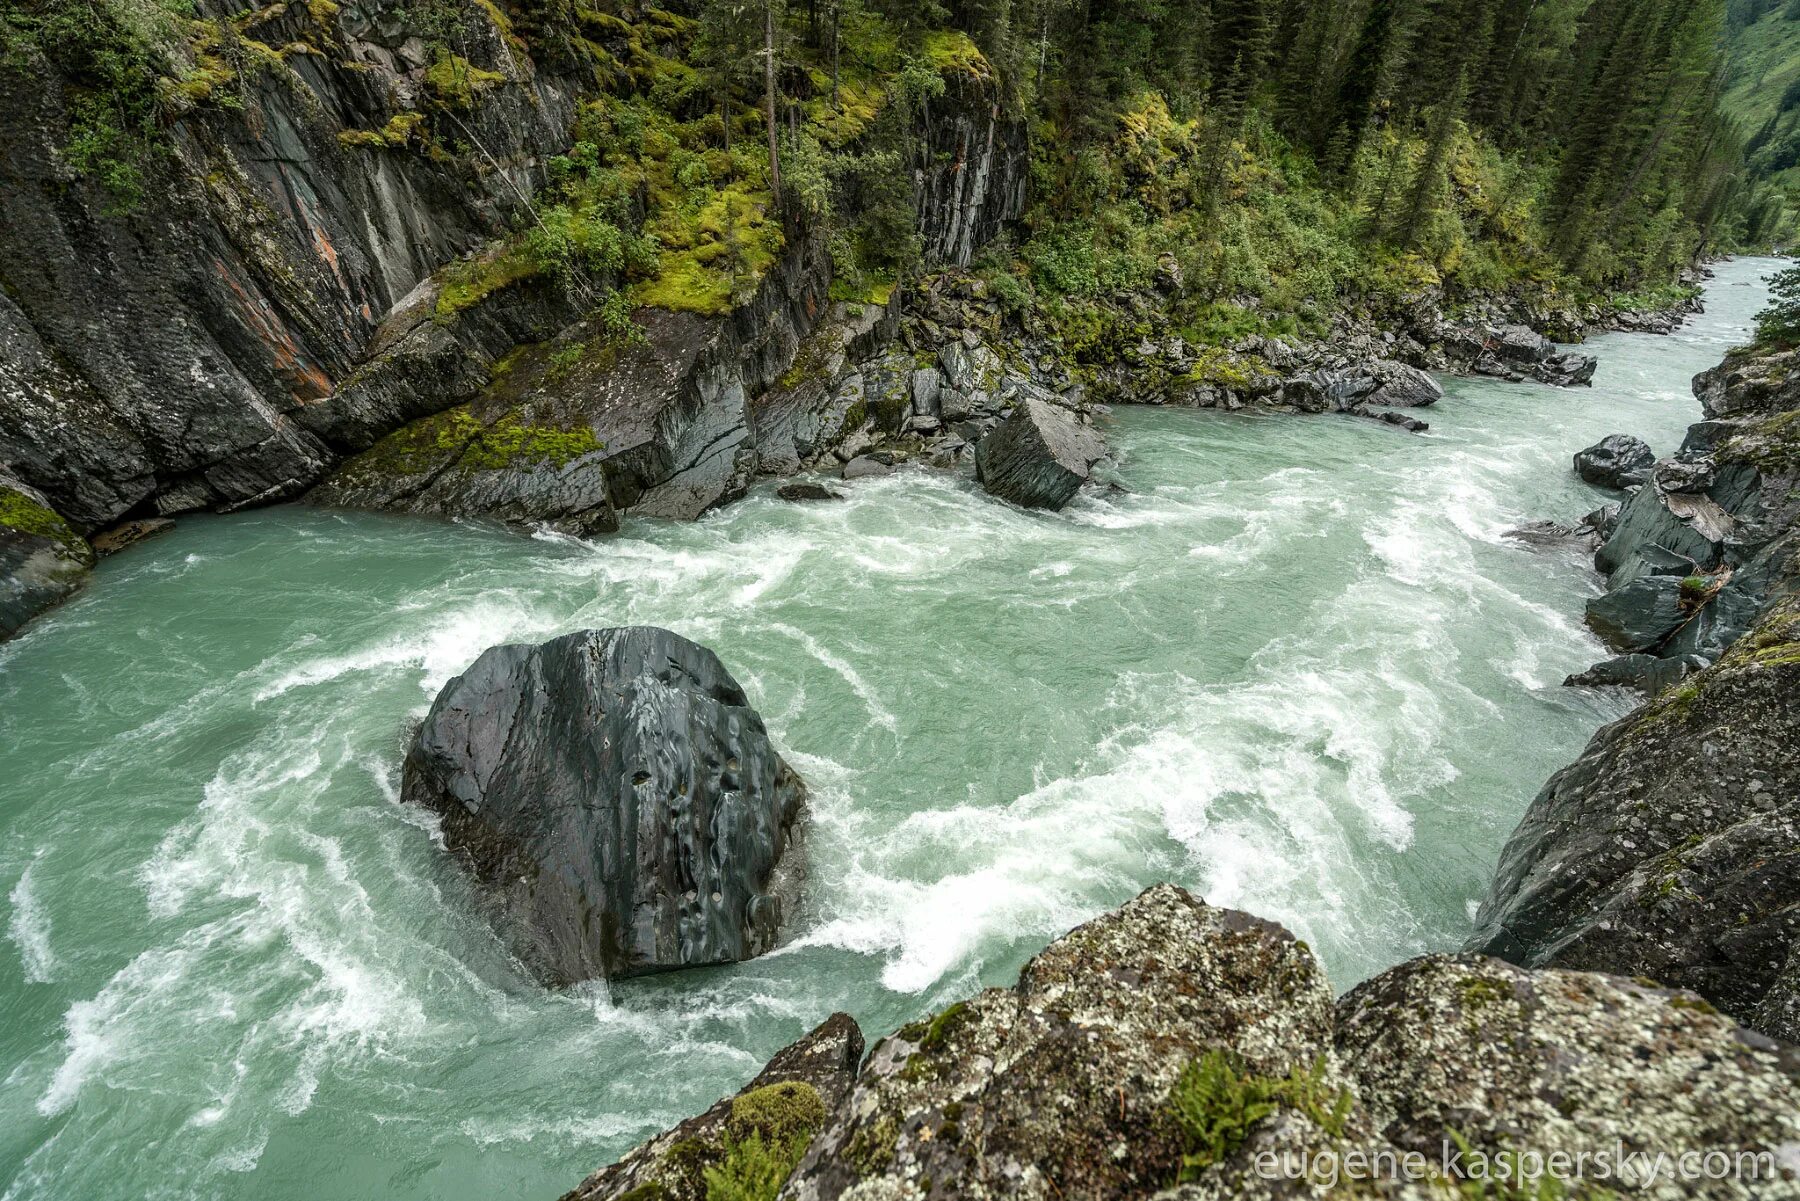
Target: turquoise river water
<point>1295,667</point>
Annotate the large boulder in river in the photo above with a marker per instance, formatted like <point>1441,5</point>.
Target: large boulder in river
<point>1403,386</point>
<point>1039,457</point>
<point>1616,461</point>
<point>619,799</point>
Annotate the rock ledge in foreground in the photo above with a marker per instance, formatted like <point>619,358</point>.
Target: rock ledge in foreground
<point>619,800</point>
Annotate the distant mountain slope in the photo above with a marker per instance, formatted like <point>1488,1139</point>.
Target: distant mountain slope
<point>1763,85</point>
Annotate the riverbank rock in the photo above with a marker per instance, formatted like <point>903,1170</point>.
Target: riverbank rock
<point>42,559</point>
<point>1647,673</point>
<point>788,1100</point>
<point>1570,370</point>
<point>1039,457</point>
<point>1616,461</point>
<point>619,800</point>
<point>1170,1041</point>
<point>1059,1085</point>
<point>1671,848</point>
<point>1402,386</point>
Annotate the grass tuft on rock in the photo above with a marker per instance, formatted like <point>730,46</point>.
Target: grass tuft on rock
<point>1217,1101</point>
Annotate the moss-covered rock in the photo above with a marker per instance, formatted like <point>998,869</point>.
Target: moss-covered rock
<point>780,1109</point>
<point>42,558</point>
<point>1176,1051</point>
<point>1060,1086</point>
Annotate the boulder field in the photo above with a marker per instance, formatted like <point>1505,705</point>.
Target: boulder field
<point>1174,1050</point>
<point>618,800</point>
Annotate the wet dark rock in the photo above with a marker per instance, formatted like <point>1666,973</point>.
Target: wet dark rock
<point>1039,457</point>
<point>1405,421</point>
<point>42,559</point>
<point>866,467</point>
<point>789,1098</point>
<point>1651,537</point>
<point>1639,615</point>
<point>1403,386</point>
<point>1603,521</point>
<point>1671,848</point>
<point>1650,674</point>
<point>1616,461</point>
<point>1551,535</point>
<point>805,491</point>
<point>1668,849</point>
<point>618,799</point>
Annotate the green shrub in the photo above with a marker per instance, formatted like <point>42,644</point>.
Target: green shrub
<point>1779,324</point>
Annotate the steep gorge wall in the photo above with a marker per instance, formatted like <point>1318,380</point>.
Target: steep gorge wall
<point>270,308</point>
<point>163,359</point>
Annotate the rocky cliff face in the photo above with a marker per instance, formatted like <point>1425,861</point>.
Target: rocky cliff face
<point>1671,848</point>
<point>168,358</point>
<point>1175,1050</point>
<point>275,301</point>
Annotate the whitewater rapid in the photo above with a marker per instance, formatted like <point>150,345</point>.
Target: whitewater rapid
<point>1291,663</point>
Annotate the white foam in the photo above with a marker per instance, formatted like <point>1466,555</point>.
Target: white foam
<point>29,928</point>
<point>837,663</point>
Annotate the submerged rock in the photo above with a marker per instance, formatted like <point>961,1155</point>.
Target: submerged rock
<point>130,533</point>
<point>1616,461</point>
<point>804,491</point>
<point>1647,673</point>
<point>42,560</point>
<point>619,799</point>
<point>866,467</point>
<point>1039,457</point>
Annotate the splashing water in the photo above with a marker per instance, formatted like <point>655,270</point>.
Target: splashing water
<point>1294,666</point>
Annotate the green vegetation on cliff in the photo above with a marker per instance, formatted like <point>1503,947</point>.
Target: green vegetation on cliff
<point>1762,93</point>
<point>1261,163</point>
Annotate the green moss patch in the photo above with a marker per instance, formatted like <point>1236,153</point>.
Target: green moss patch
<point>395,135</point>
<point>454,82</point>
<point>20,512</point>
<point>1217,1101</point>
